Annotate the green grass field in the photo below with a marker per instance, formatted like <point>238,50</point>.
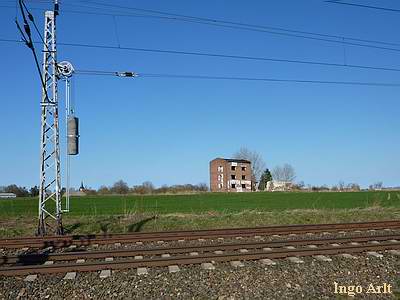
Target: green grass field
<point>201,211</point>
<point>208,202</point>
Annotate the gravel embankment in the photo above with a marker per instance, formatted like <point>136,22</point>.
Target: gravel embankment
<point>286,280</point>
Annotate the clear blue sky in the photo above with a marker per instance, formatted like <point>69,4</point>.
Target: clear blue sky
<point>167,130</point>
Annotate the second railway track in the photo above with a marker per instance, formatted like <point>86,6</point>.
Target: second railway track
<point>85,240</point>
<point>37,258</point>
<point>45,263</point>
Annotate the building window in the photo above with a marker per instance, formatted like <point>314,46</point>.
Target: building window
<point>220,186</point>
<point>233,168</point>
<point>243,186</point>
<point>243,176</point>
<point>243,168</point>
<point>220,169</point>
<point>233,176</point>
<point>233,186</point>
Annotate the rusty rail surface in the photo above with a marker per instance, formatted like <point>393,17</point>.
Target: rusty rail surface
<point>64,241</point>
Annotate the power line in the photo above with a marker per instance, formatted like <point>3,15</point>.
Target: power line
<point>31,18</point>
<point>208,77</point>
<point>218,55</point>
<point>29,41</point>
<point>364,6</point>
<point>247,26</point>
<point>244,26</point>
<point>208,54</point>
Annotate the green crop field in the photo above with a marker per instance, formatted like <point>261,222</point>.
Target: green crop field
<point>99,214</point>
<point>208,202</point>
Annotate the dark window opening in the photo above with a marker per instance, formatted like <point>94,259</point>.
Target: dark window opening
<point>233,186</point>
<point>233,168</point>
<point>233,176</point>
<point>243,168</point>
<point>243,186</point>
<point>243,176</point>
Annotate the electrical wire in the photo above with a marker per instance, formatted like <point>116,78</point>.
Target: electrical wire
<point>30,44</point>
<point>116,30</point>
<point>31,18</point>
<point>228,56</point>
<point>364,6</point>
<point>244,26</point>
<point>218,55</point>
<point>247,26</point>
<point>208,77</point>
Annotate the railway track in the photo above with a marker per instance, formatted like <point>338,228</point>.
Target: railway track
<point>35,258</point>
<point>85,240</point>
<point>174,256</point>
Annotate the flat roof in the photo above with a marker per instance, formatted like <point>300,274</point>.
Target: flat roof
<point>238,160</point>
<point>234,160</point>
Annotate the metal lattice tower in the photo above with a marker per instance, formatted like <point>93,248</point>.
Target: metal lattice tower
<point>50,212</point>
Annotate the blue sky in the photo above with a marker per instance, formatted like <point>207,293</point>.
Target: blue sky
<point>167,130</point>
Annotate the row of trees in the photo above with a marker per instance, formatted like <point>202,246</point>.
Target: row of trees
<point>20,191</point>
<point>259,172</point>
<point>121,188</point>
<point>342,186</point>
<point>286,173</point>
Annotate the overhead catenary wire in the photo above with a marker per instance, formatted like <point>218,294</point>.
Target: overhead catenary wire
<point>363,5</point>
<point>214,21</point>
<point>32,19</point>
<point>238,57</point>
<point>116,31</point>
<point>30,44</point>
<point>208,77</point>
<point>219,55</point>
<point>243,26</point>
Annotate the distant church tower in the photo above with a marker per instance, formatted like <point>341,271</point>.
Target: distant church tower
<point>82,188</point>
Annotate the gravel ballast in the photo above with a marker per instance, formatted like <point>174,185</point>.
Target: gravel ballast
<point>312,279</point>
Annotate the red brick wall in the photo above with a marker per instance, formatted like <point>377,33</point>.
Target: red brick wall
<point>227,173</point>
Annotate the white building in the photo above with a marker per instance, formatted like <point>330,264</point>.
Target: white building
<point>7,195</point>
<point>278,186</point>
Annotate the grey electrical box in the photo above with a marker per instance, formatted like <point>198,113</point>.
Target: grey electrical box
<point>73,135</point>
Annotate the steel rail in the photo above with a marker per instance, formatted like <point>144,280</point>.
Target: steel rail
<point>36,258</point>
<point>188,260</point>
<point>63,241</point>
<point>379,224</point>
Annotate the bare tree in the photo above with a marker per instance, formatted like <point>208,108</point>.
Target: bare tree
<point>148,187</point>
<point>353,187</point>
<point>103,190</point>
<point>120,187</point>
<point>257,162</point>
<point>284,173</point>
<point>277,173</point>
<point>145,188</point>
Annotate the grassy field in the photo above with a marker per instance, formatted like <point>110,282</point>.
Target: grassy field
<point>207,202</point>
<point>201,211</point>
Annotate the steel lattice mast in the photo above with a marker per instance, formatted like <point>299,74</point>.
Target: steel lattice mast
<point>50,212</point>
